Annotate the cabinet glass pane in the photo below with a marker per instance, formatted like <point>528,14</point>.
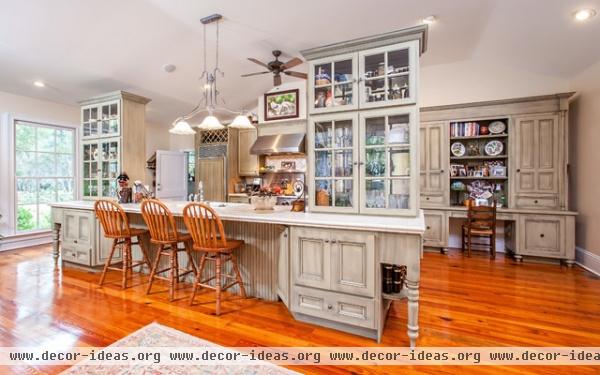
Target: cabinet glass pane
<point>93,169</point>
<point>93,126</point>
<point>109,170</point>
<point>323,164</point>
<point>322,74</point>
<point>110,150</point>
<point>343,193</point>
<point>322,192</point>
<point>374,65</point>
<point>398,87</point>
<point>399,194</point>
<point>374,89</point>
<point>86,115</point>
<point>375,163</point>
<point>375,190</point>
<point>323,97</point>
<point>323,134</point>
<point>399,162</point>
<point>343,134</point>
<point>398,61</point>
<point>399,129</point>
<point>343,71</point>
<point>343,163</point>
<point>342,94</point>
<point>375,131</point>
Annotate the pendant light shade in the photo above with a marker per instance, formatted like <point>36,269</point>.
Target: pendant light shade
<point>241,122</point>
<point>210,122</point>
<point>182,128</point>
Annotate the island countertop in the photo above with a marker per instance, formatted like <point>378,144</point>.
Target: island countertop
<point>283,216</point>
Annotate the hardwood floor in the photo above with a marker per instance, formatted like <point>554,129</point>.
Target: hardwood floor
<point>464,302</point>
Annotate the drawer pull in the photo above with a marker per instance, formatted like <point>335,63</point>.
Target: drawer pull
<point>427,198</point>
<point>329,307</point>
<point>74,241</point>
<point>326,241</point>
<point>535,201</point>
<point>542,235</point>
<point>428,227</point>
<point>333,241</point>
<point>518,170</point>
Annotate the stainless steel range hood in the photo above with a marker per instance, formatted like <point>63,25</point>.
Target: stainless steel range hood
<point>278,144</point>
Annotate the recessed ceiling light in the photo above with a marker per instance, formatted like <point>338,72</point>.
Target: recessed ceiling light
<point>39,84</point>
<point>584,14</point>
<point>429,20</point>
<point>169,68</point>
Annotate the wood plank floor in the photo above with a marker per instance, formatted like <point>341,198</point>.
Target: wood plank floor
<point>464,302</point>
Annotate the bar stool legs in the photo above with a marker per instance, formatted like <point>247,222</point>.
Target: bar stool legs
<point>174,275</point>
<point>127,264</point>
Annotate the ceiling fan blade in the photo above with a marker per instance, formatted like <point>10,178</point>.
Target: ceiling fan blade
<point>277,80</point>
<point>292,63</point>
<point>296,74</point>
<point>258,62</point>
<point>254,74</point>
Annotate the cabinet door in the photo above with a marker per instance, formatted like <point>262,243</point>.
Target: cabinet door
<point>91,169</point>
<point>388,167</point>
<point>542,235</point>
<point>436,230</point>
<point>537,154</point>
<point>77,236</point>
<point>89,121</point>
<point>333,84</point>
<point>247,163</point>
<point>333,163</point>
<point>110,167</point>
<point>434,163</point>
<point>283,268</point>
<point>352,263</point>
<point>311,257</point>
<point>109,122</point>
<point>388,75</point>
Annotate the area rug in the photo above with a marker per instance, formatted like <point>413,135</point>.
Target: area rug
<point>157,335</point>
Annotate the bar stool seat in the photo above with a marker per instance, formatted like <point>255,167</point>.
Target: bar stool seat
<point>209,239</point>
<point>163,232</point>
<point>115,225</point>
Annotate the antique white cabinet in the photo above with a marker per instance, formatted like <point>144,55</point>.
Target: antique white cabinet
<point>247,162</point>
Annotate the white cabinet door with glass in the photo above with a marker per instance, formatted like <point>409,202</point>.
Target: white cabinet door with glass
<point>333,156</point>
<point>388,168</point>
<point>388,75</point>
<point>101,120</point>
<point>333,84</point>
<point>101,164</point>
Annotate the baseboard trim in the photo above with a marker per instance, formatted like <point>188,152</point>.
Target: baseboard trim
<point>587,260</point>
<point>18,242</point>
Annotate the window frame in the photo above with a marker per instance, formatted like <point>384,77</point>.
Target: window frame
<point>75,170</point>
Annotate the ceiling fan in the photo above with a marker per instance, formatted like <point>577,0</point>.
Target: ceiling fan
<point>277,67</point>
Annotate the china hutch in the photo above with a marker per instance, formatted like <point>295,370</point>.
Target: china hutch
<point>112,140</point>
<point>513,152</point>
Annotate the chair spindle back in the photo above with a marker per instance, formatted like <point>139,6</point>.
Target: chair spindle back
<point>113,219</point>
<point>205,225</point>
<point>482,216</point>
<point>160,221</point>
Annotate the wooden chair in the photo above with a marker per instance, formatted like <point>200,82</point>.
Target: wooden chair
<point>481,223</point>
<point>163,232</point>
<point>208,234</point>
<point>116,226</point>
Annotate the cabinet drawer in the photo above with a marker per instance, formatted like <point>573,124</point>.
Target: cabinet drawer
<point>76,254</point>
<point>435,227</point>
<point>238,199</point>
<point>339,307</point>
<point>432,200</point>
<point>541,202</point>
<point>542,236</point>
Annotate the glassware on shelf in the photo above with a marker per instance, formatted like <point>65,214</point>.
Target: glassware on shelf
<point>375,193</point>
<point>399,129</point>
<point>343,163</point>
<point>323,193</point>
<point>399,162</point>
<point>399,196</point>
<point>343,193</point>
<point>323,164</point>
<point>375,131</point>
<point>375,163</point>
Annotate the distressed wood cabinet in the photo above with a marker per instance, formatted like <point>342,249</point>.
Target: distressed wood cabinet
<point>247,162</point>
<point>434,164</point>
<point>436,229</point>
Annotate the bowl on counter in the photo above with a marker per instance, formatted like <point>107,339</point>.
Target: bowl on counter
<point>263,203</point>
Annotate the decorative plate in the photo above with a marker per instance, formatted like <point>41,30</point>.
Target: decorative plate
<point>298,188</point>
<point>494,148</point>
<point>497,127</point>
<point>458,149</point>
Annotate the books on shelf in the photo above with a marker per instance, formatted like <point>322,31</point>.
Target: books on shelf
<point>464,129</point>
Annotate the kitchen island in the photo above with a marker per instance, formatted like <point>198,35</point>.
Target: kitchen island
<point>326,268</point>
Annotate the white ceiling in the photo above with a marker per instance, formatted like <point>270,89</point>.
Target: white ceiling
<point>85,48</point>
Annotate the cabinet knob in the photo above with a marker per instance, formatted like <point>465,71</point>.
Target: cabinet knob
<point>329,307</point>
<point>74,241</point>
<point>326,241</point>
<point>427,198</point>
<point>535,201</point>
<point>355,163</point>
<point>333,241</point>
<point>428,227</point>
<point>518,170</point>
<point>542,235</point>
<point>442,171</point>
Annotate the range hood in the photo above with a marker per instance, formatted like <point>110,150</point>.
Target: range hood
<point>278,144</point>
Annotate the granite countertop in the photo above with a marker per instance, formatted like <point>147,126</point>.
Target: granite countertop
<point>282,215</point>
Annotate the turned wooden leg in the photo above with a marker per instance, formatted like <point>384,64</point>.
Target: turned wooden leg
<point>413,312</point>
<point>172,260</point>
<point>146,259</point>
<point>218,283</point>
<point>191,265</point>
<point>154,268</point>
<point>238,277</point>
<point>493,239</point>
<point>55,241</point>
<point>462,239</point>
<point>469,243</point>
<point>198,278</point>
<point>107,264</point>
<point>176,255</point>
<point>125,253</point>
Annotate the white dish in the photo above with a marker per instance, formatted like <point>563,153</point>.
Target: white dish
<point>497,127</point>
<point>494,148</point>
<point>458,149</point>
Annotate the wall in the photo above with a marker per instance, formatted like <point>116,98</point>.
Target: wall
<point>585,155</point>
<point>23,108</point>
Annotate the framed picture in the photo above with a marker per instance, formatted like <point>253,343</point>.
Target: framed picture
<point>498,171</point>
<point>282,105</point>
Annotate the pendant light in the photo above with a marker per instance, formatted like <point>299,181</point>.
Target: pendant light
<point>210,122</point>
<point>182,128</point>
<point>241,122</point>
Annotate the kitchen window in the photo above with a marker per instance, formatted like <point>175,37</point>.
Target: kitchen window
<point>45,171</point>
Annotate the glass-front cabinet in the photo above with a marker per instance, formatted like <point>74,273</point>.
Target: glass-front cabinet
<point>333,156</point>
<point>388,183</point>
<point>388,75</point>
<point>101,120</point>
<point>101,164</point>
<point>333,84</point>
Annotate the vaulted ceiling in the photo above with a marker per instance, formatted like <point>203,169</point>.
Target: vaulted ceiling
<point>84,48</point>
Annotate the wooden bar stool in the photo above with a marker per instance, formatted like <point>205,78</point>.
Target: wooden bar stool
<point>208,234</point>
<point>163,232</point>
<point>116,226</point>
<point>481,223</point>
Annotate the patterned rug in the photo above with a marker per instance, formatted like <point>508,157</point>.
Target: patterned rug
<point>157,335</point>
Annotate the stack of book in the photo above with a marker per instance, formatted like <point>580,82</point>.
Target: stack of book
<point>464,129</point>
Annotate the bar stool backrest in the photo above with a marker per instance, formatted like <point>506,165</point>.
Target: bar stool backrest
<point>112,218</point>
<point>205,225</point>
<point>482,217</point>
<point>160,221</point>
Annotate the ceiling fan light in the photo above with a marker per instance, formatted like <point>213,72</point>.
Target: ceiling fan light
<point>182,128</point>
<point>241,122</point>
<point>210,122</point>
